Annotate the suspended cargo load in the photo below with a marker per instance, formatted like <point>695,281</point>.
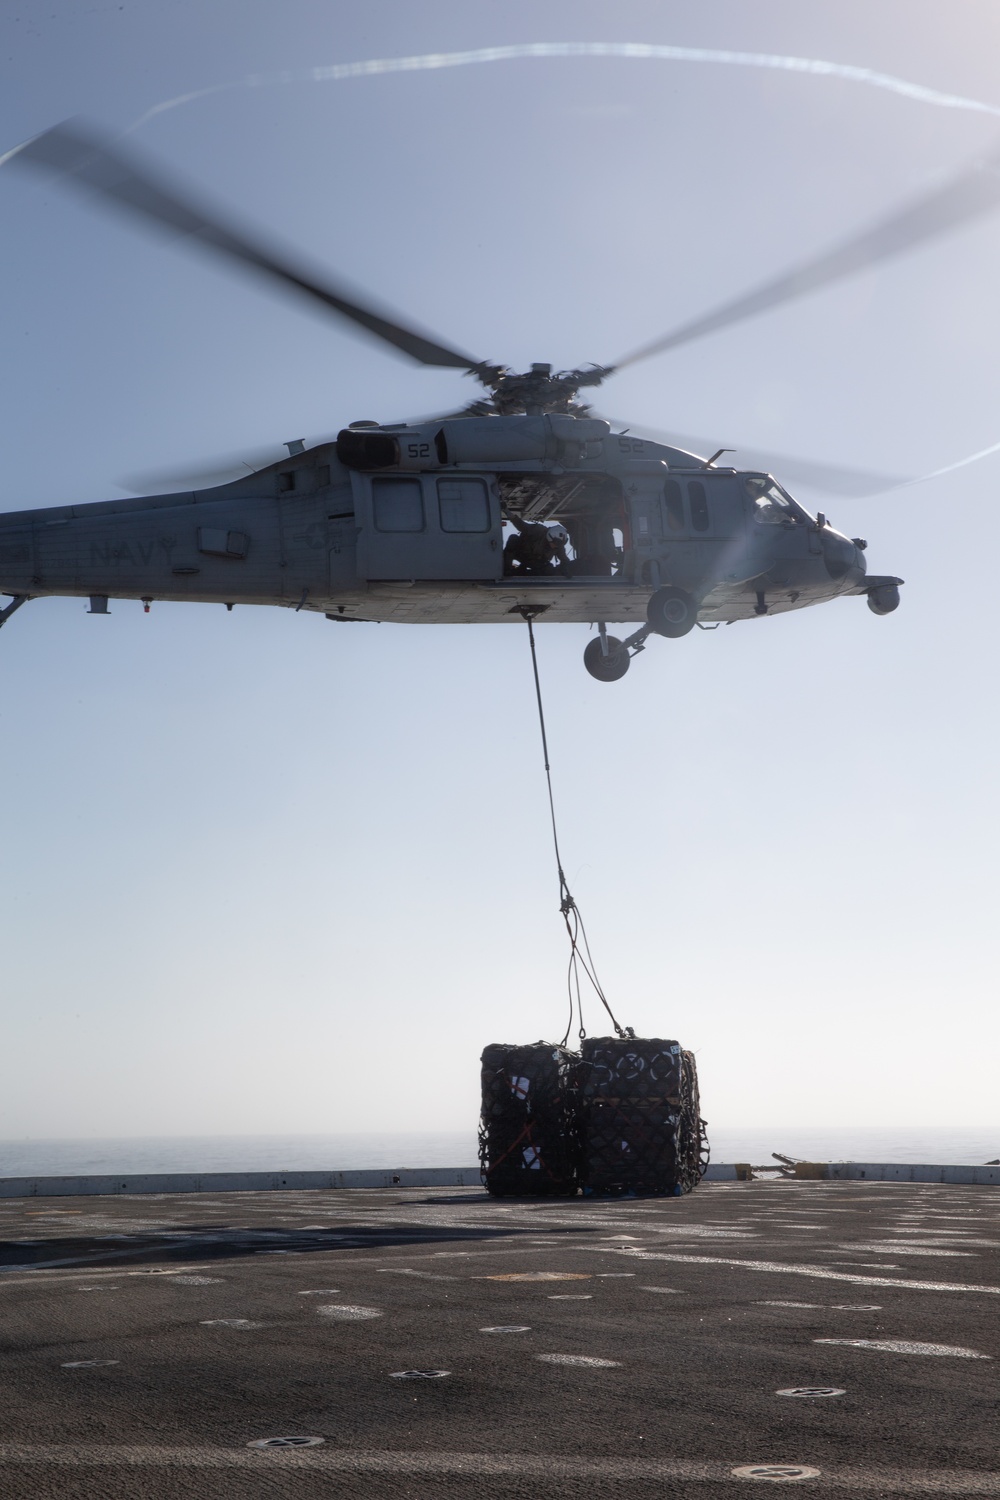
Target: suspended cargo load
<point>694,1140</point>
<point>528,1137</point>
<point>639,1123</point>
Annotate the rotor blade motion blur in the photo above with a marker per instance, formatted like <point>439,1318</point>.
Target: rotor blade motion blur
<point>959,202</point>
<point>831,479</point>
<point>218,469</point>
<point>85,159</point>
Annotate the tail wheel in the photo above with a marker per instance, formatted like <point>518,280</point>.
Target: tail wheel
<point>671,612</point>
<point>606,668</point>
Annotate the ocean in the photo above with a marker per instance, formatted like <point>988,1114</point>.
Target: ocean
<point>248,1153</point>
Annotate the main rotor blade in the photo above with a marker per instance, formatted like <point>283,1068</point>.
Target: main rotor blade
<point>219,469</point>
<point>79,154</point>
<point>959,202</point>
<point>831,479</point>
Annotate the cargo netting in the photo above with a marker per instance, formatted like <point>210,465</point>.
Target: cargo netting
<point>528,1143</point>
<point>621,1116</point>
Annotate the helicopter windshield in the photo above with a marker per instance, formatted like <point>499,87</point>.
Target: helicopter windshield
<point>773,506</point>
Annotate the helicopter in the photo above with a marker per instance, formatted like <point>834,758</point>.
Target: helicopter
<point>525,504</point>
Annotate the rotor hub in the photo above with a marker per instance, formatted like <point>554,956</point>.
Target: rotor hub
<point>535,392</point>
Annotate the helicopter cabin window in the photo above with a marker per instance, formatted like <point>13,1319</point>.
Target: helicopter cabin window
<point>397,505</point>
<point>674,503</point>
<point>771,506</point>
<point>464,505</point>
<point>699,505</point>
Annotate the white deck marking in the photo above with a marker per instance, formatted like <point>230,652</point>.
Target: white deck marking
<point>939,1230</point>
<point>954,1237</point>
<point>327,1459</point>
<point>696,1232</point>
<point>907,1346</point>
<point>871,1265</point>
<point>590,1360</point>
<point>230,1323</point>
<point>42,1277</point>
<point>348,1313</point>
<point>821,1273</point>
<point>175,1270</point>
<point>910,1249</point>
<point>537,1276</point>
<point>424,1275</point>
<point>789,1304</point>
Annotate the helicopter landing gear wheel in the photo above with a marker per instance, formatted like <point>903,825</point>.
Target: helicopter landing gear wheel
<point>610,667</point>
<point>671,612</point>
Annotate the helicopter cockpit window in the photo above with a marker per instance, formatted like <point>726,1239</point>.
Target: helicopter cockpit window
<point>772,506</point>
<point>398,505</point>
<point>699,505</point>
<point>464,505</point>
<point>674,505</point>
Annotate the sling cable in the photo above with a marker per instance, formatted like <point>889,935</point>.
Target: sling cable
<point>579,956</point>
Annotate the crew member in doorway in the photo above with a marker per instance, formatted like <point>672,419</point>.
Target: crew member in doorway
<point>536,549</point>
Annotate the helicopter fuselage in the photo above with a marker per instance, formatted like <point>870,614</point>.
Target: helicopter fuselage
<point>407,524</point>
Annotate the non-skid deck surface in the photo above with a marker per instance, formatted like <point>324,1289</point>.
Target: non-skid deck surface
<point>626,1348</point>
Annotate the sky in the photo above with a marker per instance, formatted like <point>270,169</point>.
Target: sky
<point>263,876</point>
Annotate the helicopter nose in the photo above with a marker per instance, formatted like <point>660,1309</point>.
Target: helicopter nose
<point>840,554</point>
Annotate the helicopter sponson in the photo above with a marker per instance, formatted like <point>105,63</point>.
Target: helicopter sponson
<point>412,523</point>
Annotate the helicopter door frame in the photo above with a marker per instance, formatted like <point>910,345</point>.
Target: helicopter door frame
<point>428,526</point>
<point>722,535</point>
<point>721,514</point>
